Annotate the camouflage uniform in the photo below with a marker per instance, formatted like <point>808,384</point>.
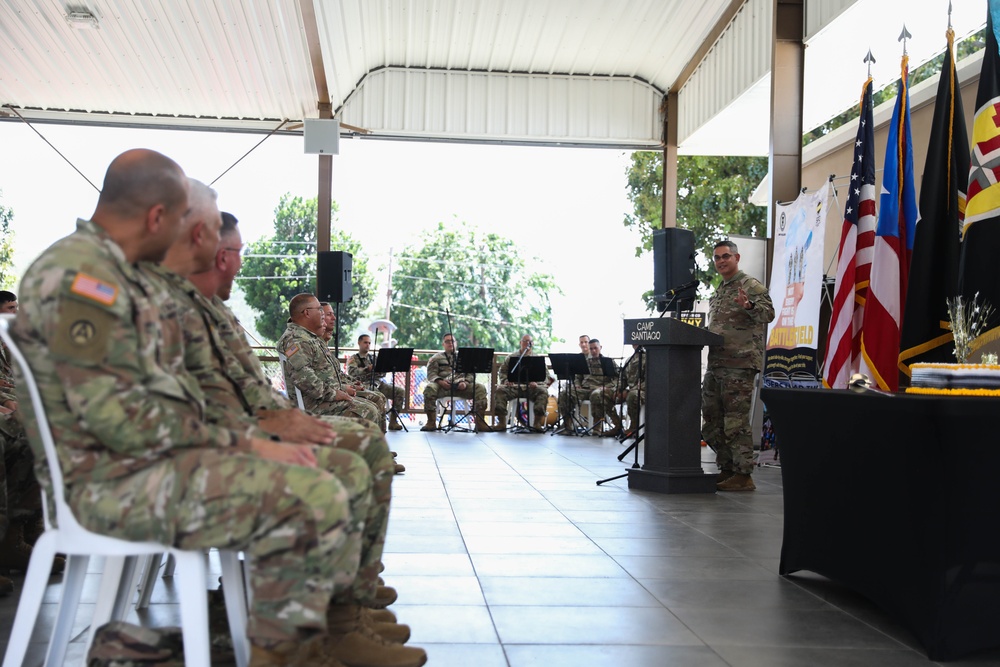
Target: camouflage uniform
<point>508,391</point>
<point>345,381</point>
<point>362,370</point>
<point>595,387</point>
<point>440,367</point>
<point>634,386</point>
<point>138,458</point>
<point>352,434</point>
<point>308,368</point>
<point>20,495</point>
<point>210,361</point>
<point>728,385</point>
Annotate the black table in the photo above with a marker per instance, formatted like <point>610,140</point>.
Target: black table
<point>898,498</point>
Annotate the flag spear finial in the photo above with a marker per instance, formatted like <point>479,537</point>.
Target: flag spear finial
<point>903,36</point>
<point>870,59</point>
<point>949,14</point>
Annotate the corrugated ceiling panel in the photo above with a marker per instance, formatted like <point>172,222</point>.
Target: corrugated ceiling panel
<point>739,59</point>
<point>227,58</point>
<point>506,107</point>
<point>820,13</point>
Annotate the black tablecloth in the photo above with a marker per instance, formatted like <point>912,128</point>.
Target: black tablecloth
<point>897,497</point>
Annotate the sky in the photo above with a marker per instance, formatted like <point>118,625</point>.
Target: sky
<point>563,206</point>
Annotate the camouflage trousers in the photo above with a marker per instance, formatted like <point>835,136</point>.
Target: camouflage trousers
<point>393,393</point>
<point>537,394</point>
<point>725,407</point>
<point>356,407</point>
<point>20,495</point>
<point>295,523</point>
<point>368,443</point>
<point>632,405</point>
<point>477,392</point>
<point>602,399</point>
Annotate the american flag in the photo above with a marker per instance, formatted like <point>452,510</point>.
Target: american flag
<point>857,236</point>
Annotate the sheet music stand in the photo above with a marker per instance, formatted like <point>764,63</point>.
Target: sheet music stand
<point>393,360</point>
<point>525,369</point>
<point>472,360</point>
<point>566,366</point>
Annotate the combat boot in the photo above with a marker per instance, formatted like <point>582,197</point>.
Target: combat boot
<point>724,475</point>
<point>431,424</point>
<point>384,596</point>
<point>394,424</point>
<point>15,553</point>
<point>398,468</point>
<point>738,482</point>
<point>6,587</point>
<point>381,615</point>
<point>354,644</point>
<point>482,426</point>
<point>397,633</point>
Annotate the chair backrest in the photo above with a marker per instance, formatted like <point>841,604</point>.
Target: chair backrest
<point>63,515</point>
<point>282,359</point>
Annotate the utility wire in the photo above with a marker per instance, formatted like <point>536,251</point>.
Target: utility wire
<point>28,123</point>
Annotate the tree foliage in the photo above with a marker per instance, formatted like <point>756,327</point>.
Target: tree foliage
<point>6,248</point>
<point>713,195</point>
<point>481,279</point>
<point>279,266</point>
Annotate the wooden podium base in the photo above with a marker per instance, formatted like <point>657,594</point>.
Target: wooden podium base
<point>675,481</point>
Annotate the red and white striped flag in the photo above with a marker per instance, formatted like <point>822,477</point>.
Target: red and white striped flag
<point>857,236</point>
<point>897,221</point>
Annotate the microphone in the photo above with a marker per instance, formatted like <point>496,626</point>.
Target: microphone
<point>677,290</point>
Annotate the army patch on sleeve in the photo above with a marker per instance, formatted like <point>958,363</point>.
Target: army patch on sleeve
<point>291,351</point>
<point>83,332</point>
<point>94,289</point>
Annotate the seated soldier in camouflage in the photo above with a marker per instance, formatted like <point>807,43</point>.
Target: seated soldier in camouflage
<point>140,461</point>
<point>444,382</point>
<point>506,391</point>
<point>361,368</point>
<point>275,412</point>
<point>203,356</point>
<point>598,387</point>
<point>634,389</point>
<point>308,369</point>
<point>347,383</point>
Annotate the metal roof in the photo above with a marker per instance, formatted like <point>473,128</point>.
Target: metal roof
<point>545,71</point>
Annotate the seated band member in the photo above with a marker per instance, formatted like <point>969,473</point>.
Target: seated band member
<point>634,388</point>
<point>507,391</point>
<point>598,387</point>
<point>361,368</point>
<point>443,382</point>
<point>308,367</point>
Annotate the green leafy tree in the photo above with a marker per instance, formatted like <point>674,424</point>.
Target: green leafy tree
<point>713,196</point>
<point>6,248</point>
<point>481,279</point>
<point>279,266</point>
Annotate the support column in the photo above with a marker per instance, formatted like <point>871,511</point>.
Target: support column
<point>324,191</point>
<point>669,216</point>
<point>787,76</point>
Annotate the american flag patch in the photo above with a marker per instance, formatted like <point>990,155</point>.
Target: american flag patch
<point>290,352</point>
<point>92,288</point>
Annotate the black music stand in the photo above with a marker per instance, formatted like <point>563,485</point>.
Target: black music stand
<point>566,367</point>
<point>393,360</point>
<point>525,369</point>
<point>472,360</point>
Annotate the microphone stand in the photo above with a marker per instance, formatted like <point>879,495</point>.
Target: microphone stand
<point>372,359</point>
<point>522,387</point>
<point>638,437</point>
<point>451,382</point>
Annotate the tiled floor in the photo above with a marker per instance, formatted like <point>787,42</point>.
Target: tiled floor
<point>506,552</point>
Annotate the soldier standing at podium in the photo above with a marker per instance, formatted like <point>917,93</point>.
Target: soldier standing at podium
<point>739,311</point>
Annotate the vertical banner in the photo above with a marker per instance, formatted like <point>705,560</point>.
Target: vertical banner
<point>796,288</point>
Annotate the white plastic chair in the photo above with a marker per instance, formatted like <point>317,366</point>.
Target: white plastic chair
<point>282,359</point>
<point>70,538</point>
<point>512,406</point>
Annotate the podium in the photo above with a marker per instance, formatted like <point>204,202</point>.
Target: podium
<point>672,455</point>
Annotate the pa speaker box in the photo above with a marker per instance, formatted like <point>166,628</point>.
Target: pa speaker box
<point>673,265</point>
<point>333,276</point>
